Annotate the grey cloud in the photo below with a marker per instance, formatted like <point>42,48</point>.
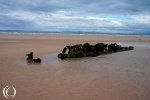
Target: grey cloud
<point>88,6</point>
<point>75,14</point>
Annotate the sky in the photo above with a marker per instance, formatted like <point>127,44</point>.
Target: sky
<point>114,16</point>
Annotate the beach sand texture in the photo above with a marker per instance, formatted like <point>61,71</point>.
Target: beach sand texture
<point>117,76</point>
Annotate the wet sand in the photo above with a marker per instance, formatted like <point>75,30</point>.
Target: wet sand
<point>117,76</point>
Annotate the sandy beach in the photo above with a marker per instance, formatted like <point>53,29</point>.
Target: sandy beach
<point>118,76</point>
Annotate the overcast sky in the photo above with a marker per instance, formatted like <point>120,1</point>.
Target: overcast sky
<point>121,16</point>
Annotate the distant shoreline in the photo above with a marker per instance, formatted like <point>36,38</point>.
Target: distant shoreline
<point>72,34</point>
<point>99,38</point>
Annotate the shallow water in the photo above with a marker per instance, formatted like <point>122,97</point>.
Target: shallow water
<point>135,44</point>
<point>122,63</point>
<point>140,49</point>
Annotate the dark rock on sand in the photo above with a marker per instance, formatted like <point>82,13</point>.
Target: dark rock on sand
<point>31,60</point>
<point>87,50</point>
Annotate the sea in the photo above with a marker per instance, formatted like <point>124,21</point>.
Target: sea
<point>23,32</point>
